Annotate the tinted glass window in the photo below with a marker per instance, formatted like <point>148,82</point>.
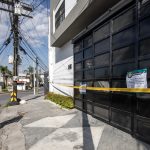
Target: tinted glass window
<point>101,112</point>
<point>78,57</point>
<point>145,28</point>
<point>145,64</point>
<point>145,8</point>
<point>102,84</point>
<point>88,41</point>
<point>78,66</point>
<point>122,119</point>
<point>77,94</point>
<point>102,72</point>
<point>123,54</point>
<point>119,84</point>
<point>102,46</point>
<point>88,53</point>
<point>77,47</point>
<point>102,98</point>
<point>121,70</point>
<point>78,75</point>
<point>102,60</point>
<point>60,15</point>
<point>145,47</point>
<point>88,74</point>
<point>123,20</point>
<point>123,38</point>
<point>122,101</point>
<point>101,33</point>
<point>88,63</point>
<point>90,83</point>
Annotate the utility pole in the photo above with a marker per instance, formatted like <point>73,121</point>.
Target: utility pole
<point>37,77</point>
<point>15,54</point>
<point>16,10</point>
<point>34,77</point>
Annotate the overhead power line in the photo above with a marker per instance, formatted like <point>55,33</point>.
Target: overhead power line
<point>34,52</point>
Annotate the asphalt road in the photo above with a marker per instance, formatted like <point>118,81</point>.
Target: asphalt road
<point>5,97</point>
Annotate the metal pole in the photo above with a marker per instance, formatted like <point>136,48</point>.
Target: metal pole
<point>37,77</point>
<point>34,77</point>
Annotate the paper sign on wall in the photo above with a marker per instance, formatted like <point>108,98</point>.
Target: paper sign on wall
<point>82,88</point>
<point>137,79</point>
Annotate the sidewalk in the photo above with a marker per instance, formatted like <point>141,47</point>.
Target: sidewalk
<point>41,125</point>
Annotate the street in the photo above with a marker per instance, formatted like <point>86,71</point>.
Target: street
<point>5,97</point>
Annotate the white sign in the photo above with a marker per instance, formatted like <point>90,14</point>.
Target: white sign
<point>137,79</point>
<point>15,78</point>
<point>18,9</point>
<point>10,59</point>
<point>82,88</point>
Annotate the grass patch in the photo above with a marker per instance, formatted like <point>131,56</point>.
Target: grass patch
<point>63,101</point>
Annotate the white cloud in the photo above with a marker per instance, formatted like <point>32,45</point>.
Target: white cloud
<point>35,28</point>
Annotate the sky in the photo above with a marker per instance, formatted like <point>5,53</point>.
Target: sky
<point>34,30</point>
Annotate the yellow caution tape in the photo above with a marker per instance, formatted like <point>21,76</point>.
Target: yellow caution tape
<point>130,90</point>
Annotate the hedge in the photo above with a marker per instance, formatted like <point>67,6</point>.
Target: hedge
<point>63,101</point>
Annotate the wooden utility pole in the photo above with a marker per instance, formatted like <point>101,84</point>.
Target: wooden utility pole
<point>16,10</point>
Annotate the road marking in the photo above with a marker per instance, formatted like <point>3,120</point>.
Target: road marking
<point>70,138</point>
<point>51,122</point>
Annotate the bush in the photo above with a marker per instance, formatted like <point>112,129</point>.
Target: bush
<point>63,101</point>
<point>5,90</point>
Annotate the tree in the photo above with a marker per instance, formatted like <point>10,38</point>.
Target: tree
<point>5,73</point>
<point>29,72</point>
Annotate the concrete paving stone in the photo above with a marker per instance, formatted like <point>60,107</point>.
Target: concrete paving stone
<point>8,113</point>
<point>12,137</point>
<point>69,138</point>
<point>32,135</point>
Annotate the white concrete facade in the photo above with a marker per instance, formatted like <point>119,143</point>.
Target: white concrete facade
<point>59,73</point>
<point>60,60</point>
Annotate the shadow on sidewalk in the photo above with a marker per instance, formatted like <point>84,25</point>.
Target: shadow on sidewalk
<point>7,122</point>
<point>87,134</point>
<point>88,143</point>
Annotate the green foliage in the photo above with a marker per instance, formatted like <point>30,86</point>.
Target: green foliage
<point>5,90</point>
<point>63,101</point>
<point>4,70</point>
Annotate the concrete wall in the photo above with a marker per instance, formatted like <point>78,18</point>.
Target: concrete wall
<point>59,59</point>
<point>68,7</point>
<point>81,14</point>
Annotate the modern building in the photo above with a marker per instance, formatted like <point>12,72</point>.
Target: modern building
<point>97,42</point>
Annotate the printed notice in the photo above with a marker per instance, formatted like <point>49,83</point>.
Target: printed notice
<point>82,88</point>
<point>137,79</point>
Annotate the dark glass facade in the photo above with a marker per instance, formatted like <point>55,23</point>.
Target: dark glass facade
<point>102,58</point>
